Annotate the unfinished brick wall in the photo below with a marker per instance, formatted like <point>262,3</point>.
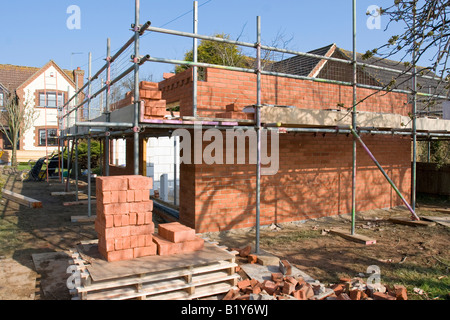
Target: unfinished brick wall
<point>124,217</point>
<point>223,87</point>
<point>314,180</point>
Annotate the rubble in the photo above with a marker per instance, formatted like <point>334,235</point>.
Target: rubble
<point>283,286</point>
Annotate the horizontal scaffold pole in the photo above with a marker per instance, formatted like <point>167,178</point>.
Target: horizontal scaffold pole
<point>143,28</point>
<point>105,124</point>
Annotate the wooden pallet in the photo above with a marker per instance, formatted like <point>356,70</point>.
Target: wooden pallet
<point>192,280</point>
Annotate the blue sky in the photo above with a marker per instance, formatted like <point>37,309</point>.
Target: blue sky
<point>34,32</point>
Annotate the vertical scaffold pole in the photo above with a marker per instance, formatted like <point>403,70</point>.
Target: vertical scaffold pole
<point>414,115</point>
<point>136,88</point>
<point>62,142</point>
<point>258,132</point>
<point>107,112</point>
<point>89,139</point>
<point>69,168</point>
<point>175,195</point>
<point>354,123</point>
<point>195,58</point>
<point>76,140</point>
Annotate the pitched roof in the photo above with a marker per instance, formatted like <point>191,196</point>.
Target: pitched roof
<point>325,69</point>
<point>384,77</point>
<point>3,88</point>
<point>308,67</point>
<point>302,65</point>
<point>13,77</point>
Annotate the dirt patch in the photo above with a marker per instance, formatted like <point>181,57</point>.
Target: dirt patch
<point>416,257</point>
<point>25,231</point>
<point>411,256</point>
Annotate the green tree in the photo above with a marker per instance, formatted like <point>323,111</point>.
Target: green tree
<point>439,152</point>
<point>96,154</point>
<point>83,154</point>
<point>216,53</point>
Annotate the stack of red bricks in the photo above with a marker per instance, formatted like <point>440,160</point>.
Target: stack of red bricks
<point>174,238</point>
<point>124,217</point>
<point>155,106</point>
<point>234,111</point>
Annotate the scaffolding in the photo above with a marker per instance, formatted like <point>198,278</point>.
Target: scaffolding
<point>118,68</point>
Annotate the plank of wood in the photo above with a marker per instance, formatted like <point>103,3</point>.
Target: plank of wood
<point>66,193</point>
<point>445,221</point>
<point>262,273</point>
<point>413,223</point>
<point>435,209</point>
<point>353,237</point>
<point>190,118</point>
<point>443,210</point>
<point>78,203</point>
<point>83,219</point>
<point>201,292</point>
<point>21,199</point>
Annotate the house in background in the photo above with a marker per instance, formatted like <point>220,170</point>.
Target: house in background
<point>324,69</point>
<point>44,89</point>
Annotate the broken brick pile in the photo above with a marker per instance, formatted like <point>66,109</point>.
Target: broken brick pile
<point>284,285</point>
<point>357,289</point>
<point>279,287</point>
<point>124,217</point>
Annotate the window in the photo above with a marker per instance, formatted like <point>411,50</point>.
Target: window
<point>6,136</point>
<point>6,143</point>
<point>51,140</point>
<point>1,99</point>
<point>49,99</point>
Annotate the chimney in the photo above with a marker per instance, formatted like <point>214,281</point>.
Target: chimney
<point>79,76</point>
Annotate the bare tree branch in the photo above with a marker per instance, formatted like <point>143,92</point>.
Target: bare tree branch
<point>15,119</point>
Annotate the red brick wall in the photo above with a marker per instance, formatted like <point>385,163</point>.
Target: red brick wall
<point>179,88</point>
<point>315,172</point>
<point>314,180</point>
<point>223,87</point>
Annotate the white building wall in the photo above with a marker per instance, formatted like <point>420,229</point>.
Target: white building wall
<point>161,160</point>
<point>44,117</point>
<point>120,152</point>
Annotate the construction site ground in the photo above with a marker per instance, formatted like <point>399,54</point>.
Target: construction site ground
<point>416,257</point>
